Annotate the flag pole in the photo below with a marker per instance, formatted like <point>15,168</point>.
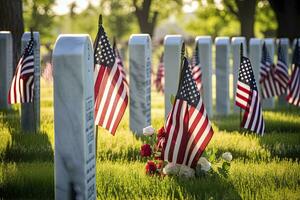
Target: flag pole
<point>241,58</point>
<point>96,137</point>
<point>181,65</point>
<point>33,99</point>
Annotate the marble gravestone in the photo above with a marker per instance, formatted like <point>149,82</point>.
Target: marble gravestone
<point>140,82</point>
<point>222,75</point>
<point>172,64</point>
<point>74,159</point>
<point>205,54</point>
<point>30,112</point>
<point>270,102</point>
<point>6,67</point>
<point>236,57</point>
<point>285,48</point>
<point>255,50</point>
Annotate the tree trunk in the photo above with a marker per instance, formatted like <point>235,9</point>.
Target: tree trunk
<point>288,17</point>
<point>142,13</point>
<point>11,15</point>
<point>246,16</point>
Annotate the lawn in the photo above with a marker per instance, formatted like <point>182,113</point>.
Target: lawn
<point>263,167</point>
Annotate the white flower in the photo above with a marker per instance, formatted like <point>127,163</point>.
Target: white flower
<point>227,156</point>
<point>186,172</point>
<point>171,169</point>
<point>205,164</point>
<point>149,130</point>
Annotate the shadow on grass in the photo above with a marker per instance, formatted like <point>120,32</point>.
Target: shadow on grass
<point>25,147</point>
<point>211,186</point>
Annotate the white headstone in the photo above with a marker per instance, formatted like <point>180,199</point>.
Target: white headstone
<point>270,102</point>
<point>74,159</point>
<point>172,62</point>
<point>235,48</point>
<point>6,67</point>
<point>30,112</point>
<point>205,54</point>
<point>285,44</point>
<point>255,50</point>
<point>140,82</point>
<point>222,75</point>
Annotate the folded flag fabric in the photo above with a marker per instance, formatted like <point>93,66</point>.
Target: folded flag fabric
<point>110,89</point>
<point>22,86</point>
<point>196,68</point>
<point>188,129</point>
<point>247,98</point>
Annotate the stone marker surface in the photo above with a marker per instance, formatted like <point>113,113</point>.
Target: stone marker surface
<point>172,64</point>
<point>74,118</point>
<point>255,50</point>
<point>140,82</point>
<point>235,49</point>
<point>222,75</point>
<point>270,102</point>
<point>205,53</point>
<point>30,112</point>
<point>285,44</point>
<point>6,67</point>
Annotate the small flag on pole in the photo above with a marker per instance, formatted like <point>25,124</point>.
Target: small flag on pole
<point>111,95</point>
<point>120,62</point>
<point>293,96</point>
<point>274,78</point>
<point>196,68</point>
<point>22,86</point>
<point>160,76</point>
<point>247,98</point>
<point>188,128</point>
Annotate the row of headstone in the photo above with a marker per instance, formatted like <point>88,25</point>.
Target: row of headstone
<point>224,48</point>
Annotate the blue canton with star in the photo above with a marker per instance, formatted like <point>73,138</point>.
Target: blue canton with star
<point>104,54</point>
<point>187,90</point>
<point>246,73</point>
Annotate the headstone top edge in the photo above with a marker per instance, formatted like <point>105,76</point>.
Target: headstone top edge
<point>269,41</point>
<point>255,41</point>
<point>283,40</point>
<point>238,40</point>
<point>65,44</point>
<point>222,41</point>
<point>203,39</point>
<point>136,39</point>
<point>173,40</point>
<point>5,32</point>
<point>27,35</point>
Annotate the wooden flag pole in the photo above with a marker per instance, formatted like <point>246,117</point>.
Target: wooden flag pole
<point>241,58</point>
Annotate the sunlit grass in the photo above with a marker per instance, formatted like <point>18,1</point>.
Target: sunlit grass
<point>263,167</point>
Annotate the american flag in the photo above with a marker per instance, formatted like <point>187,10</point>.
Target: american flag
<point>120,62</point>
<point>111,96</point>
<point>293,96</point>
<point>22,86</point>
<point>274,78</point>
<point>247,98</point>
<point>188,128</point>
<point>160,76</point>
<point>196,68</point>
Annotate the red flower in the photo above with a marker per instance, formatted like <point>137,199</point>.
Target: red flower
<point>146,150</point>
<point>150,167</point>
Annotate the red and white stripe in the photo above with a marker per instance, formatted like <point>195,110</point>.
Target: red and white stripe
<point>189,131</point>
<point>242,96</point>
<point>22,86</point>
<point>293,96</point>
<point>111,96</point>
<point>197,76</point>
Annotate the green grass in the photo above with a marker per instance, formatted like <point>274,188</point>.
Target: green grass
<point>263,167</point>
